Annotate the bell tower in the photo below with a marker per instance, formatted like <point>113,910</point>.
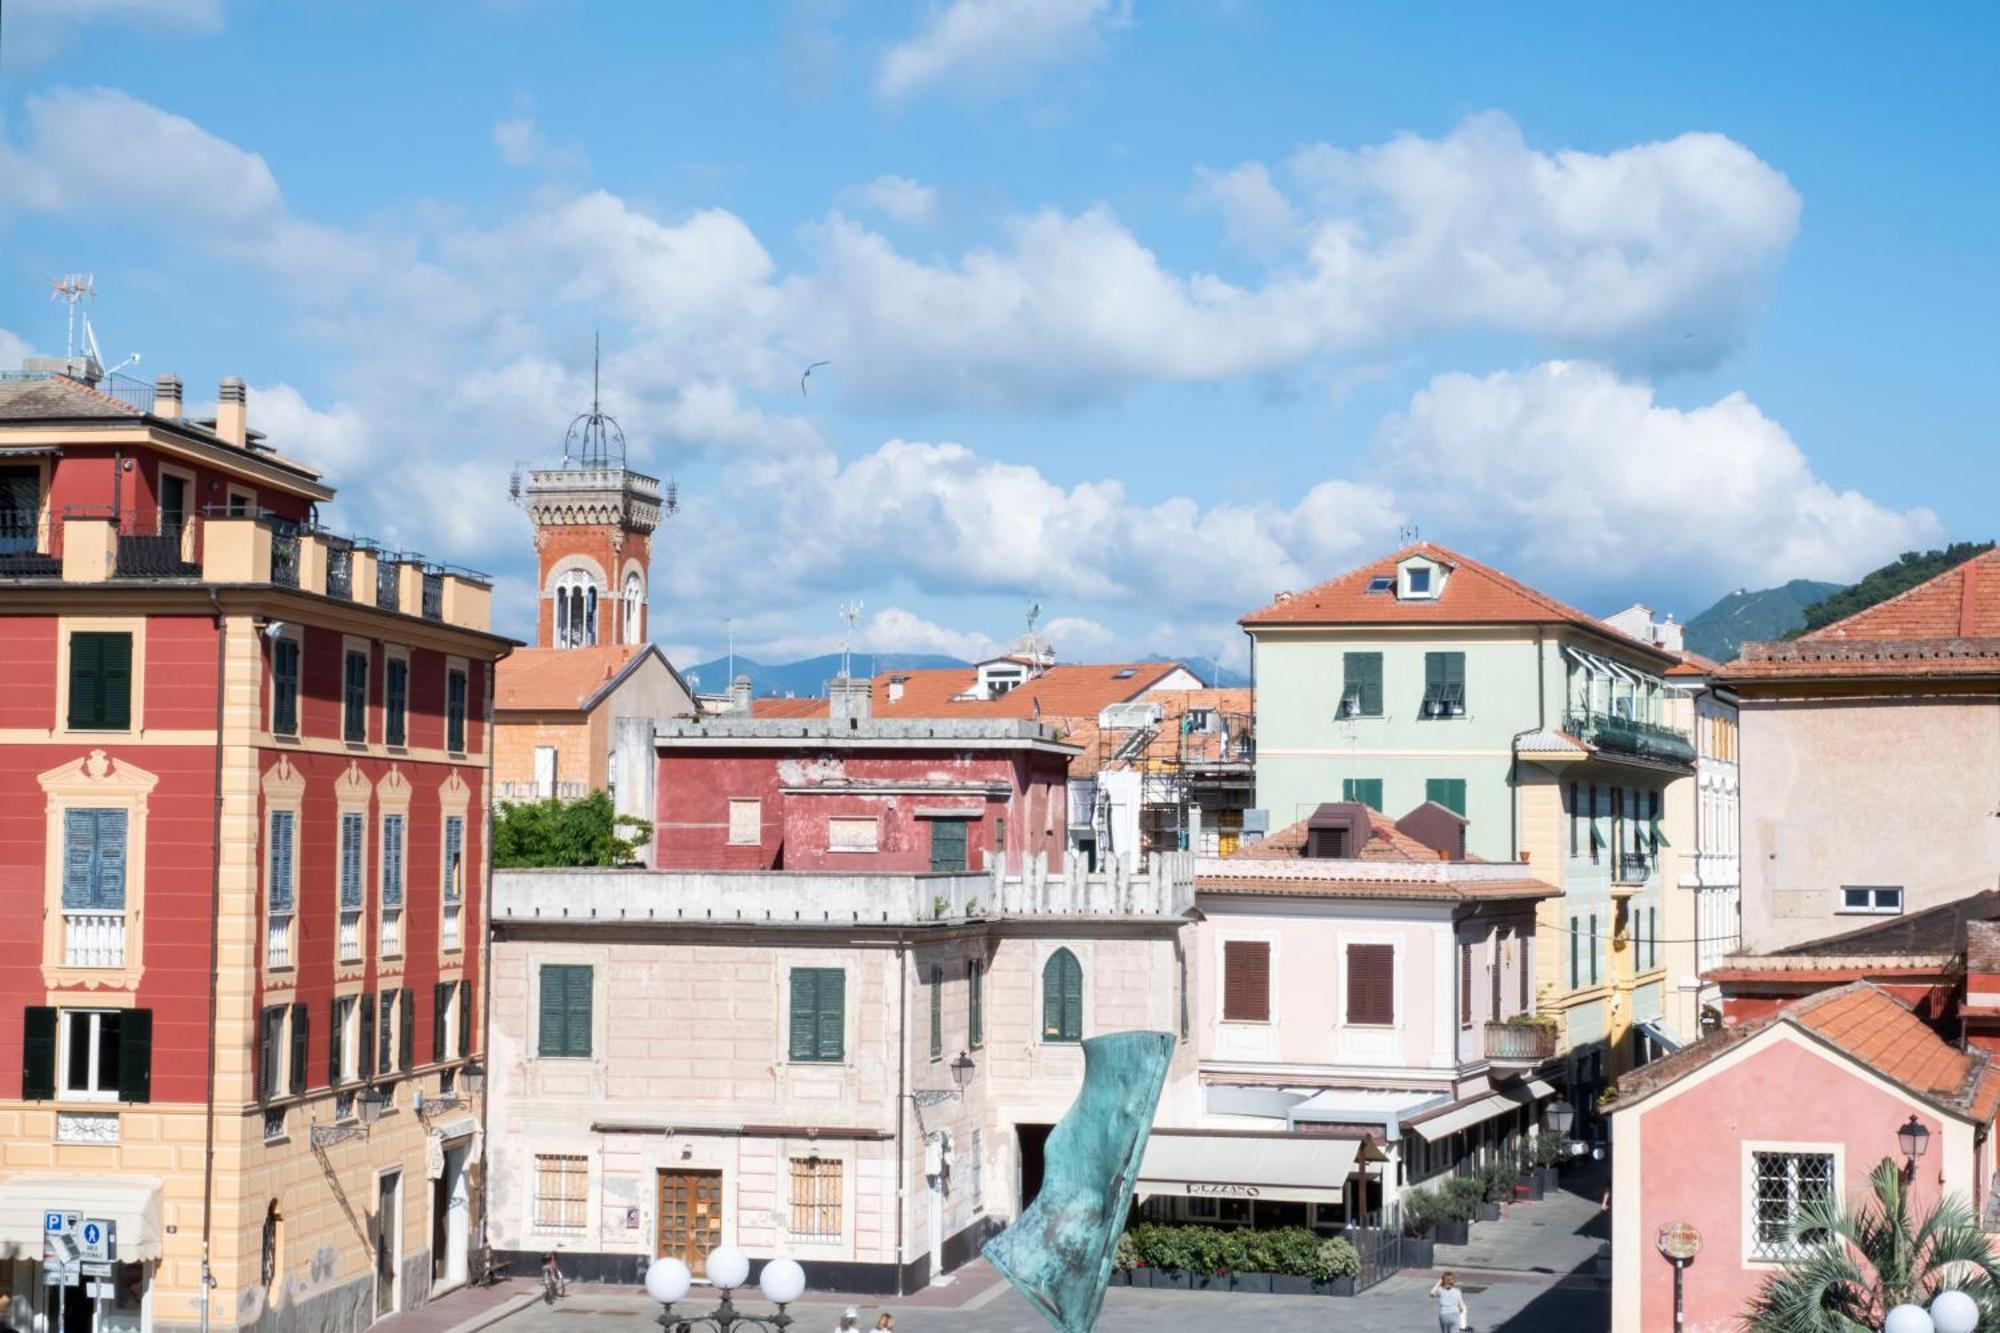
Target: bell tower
<point>594,519</point>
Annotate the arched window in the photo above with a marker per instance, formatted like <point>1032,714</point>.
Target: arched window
<point>576,610</point>
<point>273,1242</point>
<point>1062,997</point>
<point>635,603</point>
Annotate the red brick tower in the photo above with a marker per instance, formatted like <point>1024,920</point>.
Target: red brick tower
<point>594,519</point>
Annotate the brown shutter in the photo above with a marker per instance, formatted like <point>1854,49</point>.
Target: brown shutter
<point>1246,981</point>
<point>1371,984</point>
<point>1465,984</point>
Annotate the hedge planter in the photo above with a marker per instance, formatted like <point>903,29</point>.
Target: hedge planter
<point>1551,1179</point>
<point>1529,1186</point>
<point>1260,1283</point>
<point>1488,1212</point>
<point>1419,1252</point>
<point>1453,1232</point>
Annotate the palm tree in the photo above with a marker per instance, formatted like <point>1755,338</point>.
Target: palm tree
<point>1854,1267</point>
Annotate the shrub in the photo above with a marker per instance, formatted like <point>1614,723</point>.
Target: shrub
<point>1550,1149</point>
<point>1459,1197</point>
<point>1421,1209</point>
<point>1334,1258</point>
<point>1496,1181</point>
<point>1126,1256</point>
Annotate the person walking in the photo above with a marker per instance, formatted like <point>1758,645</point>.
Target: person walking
<point>850,1321</point>
<point>885,1320</point>
<point>1451,1304</point>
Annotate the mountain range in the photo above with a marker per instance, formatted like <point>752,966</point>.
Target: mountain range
<point>1745,615</point>
<point>807,678</point>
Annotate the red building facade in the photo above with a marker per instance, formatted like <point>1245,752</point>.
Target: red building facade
<point>243,776</point>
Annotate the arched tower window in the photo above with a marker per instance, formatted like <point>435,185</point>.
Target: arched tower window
<point>576,610</point>
<point>635,605</point>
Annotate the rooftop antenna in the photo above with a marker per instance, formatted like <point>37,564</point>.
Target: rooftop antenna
<point>72,289</point>
<point>850,615</point>
<point>1407,535</point>
<point>595,440</point>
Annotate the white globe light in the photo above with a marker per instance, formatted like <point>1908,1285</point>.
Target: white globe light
<point>668,1280</point>
<point>1954,1312</point>
<point>729,1266</point>
<point>782,1281</point>
<point>1908,1319</point>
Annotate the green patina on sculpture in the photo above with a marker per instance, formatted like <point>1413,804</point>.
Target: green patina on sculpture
<point>1058,1252</point>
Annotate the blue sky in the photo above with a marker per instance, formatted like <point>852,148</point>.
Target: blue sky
<point>1143,310</point>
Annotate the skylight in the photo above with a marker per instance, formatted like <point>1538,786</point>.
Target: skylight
<point>1382,583</point>
<point>1126,674</point>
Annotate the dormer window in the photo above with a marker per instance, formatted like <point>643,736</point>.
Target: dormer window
<point>1419,580</point>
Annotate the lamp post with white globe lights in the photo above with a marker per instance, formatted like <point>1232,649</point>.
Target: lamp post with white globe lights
<point>1951,1311</point>
<point>727,1269</point>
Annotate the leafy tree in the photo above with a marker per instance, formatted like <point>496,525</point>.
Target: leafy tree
<point>1857,1266</point>
<point>1905,572</point>
<point>559,833</point>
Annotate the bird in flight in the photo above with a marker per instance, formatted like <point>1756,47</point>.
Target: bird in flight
<point>809,370</point>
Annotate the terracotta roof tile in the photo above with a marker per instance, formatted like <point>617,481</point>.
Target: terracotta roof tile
<point>1473,593</point>
<point>1948,625</point>
<point>1166,747</point>
<point>1961,603</point>
<point>775,707</point>
<point>1385,842</point>
<point>1251,883</point>
<point>1064,690</point>
<point>558,679</point>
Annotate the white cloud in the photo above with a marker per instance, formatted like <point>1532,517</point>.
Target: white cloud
<point>40,29</point>
<point>1258,217</point>
<point>897,197</point>
<point>522,144</point>
<point>1573,474</point>
<point>991,43</point>
<point>895,630</point>
<point>13,350</point>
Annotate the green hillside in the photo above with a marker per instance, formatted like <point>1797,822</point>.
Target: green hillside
<point>1904,572</point>
<point>1742,616</point>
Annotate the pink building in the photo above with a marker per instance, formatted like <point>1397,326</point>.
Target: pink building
<point>1735,1133</point>
<point>827,1020</point>
<point>1359,978</point>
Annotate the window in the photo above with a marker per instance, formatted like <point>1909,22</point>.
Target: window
<point>364,1045</point>
<point>1575,956</point>
<point>454,711</point>
<point>562,1192</point>
<point>816,1195</point>
<point>746,822</point>
<point>354,699</point>
<point>301,1040</point>
<point>93,861</point>
<point>1527,962</point>
<point>453,879</point>
<point>1180,966</point>
<point>1417,580</point>
<point>1371,985</point>
<point>818,1015</point>
<point>443,995</point>
<point>350,885</point>
<point>1879,899</point>
<point>270,1051</point>
<point>978,1164</point>
<point>1783,1185</point>
<point>94,1050</point>
<point>576,610</point>
<point>1493,969</point>
<point>1381,583</point>
<point>392,885</point>
<point>1444,685</point>
<point>1246,981</point>
<point>100,682</point>
<point>1652,937</point>
<point>1465,983</point>
<point>1596,808</point>
<point>1062,997</point>
<point>285,687</point>
<point>1368,791</point>
<point>565,1012</point>
<point>850,834</point>
<point>937,1013</point>
<point>1592,943</point>
<point>635,607</point>
<point>948,846</point>
<point>280,895</point>
<point>385,1032</point>
<point>1361,685</point>
<point>1447,792</point>
<point>975,999</point>
<point>396,701</point>
<point>1573,812</point>
<point>343,1056</point>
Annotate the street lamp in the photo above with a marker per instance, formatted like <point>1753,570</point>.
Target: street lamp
<point>1558,1116</point>
<point>668,1281</point>
<point>472,1078</point>
<point>1913,1138</point>
<point>369,1104</point>
<point>961,1069</point>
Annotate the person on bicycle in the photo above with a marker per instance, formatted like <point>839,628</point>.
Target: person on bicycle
<point>552,1277</point>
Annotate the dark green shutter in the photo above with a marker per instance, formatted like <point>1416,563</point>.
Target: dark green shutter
<point>464,1019</point>
<point>1447,792</point>
<point>975,996</point>
<point>948,846</point>
<point>1361,683</point>
<point>38,1063</point>
<point>406,1031</point>
<point>1052,998</point>
<point>135,1056</point>
<point>301,1044</point>
<point>1368,791</point>
<point>86,677</point>
<point>117,681</point>
<point>552,1011</point>
<point>440,1019</point>
<point>578,1024</point>
<point>396,689</point>
<point>937,1013</point>
<point>334,1033</point>
<point>367,1043</point>
<point>1073,1000</point>
<point>1062,997</point>
<point>804,1023</point>
<point>832,1013</point>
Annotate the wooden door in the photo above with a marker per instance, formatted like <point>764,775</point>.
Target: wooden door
<point>690,1215</point>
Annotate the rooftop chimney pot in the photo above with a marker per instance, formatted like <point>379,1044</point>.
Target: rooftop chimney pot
<point>232,415</point>
<point>167,399</point>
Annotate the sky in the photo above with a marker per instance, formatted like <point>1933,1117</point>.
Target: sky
<point>1138,310</point>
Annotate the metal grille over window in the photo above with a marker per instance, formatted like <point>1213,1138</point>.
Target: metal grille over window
<point>816,1191</point>
<point>387,576</point>
<point>562,1192</point>
<point>1786,1184</point>
<point>340,571</point>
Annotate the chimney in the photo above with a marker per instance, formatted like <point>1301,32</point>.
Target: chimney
<point>167,396</point>
<point>848,698</point>
<point>232,418</point>
<point>739,695</point>
<point>896,688</point>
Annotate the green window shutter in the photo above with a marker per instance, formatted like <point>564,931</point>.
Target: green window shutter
<point>38,1055</point>
<point>1062,997</point>
<point>455,711</point>
<point>440,1019</point>
<point>578,1024</point>
<point>354,697</point>
<point>270,1031</point>
<point>1052,999</point>
<point>1574,974</point>
<point>937,1013</point>
<point>464,1019</point>
<point>396,689</point>
<point>553,1011</point>
<point>1073,1001</point>
<point>406,1031</point>
<point>285,687</point>
<point>117,681</point>
<point>948,846</point>
<point>1368,791</point>
<point>975,996</point>
<point>1593,948</point>
<point>1361,684</point>
<point>1447,792</point>
<point>366,1002</point>
<point>135,1056</point>
<point>832,1014</point>
<point>301,1044</point>
<point>86,680</point>
<point>385,1032</point>
<point>804,1013</point>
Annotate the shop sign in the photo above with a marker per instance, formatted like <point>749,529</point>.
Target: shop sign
<point>1204,1188</point>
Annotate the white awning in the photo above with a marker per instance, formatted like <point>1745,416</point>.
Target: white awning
<point>1481,1109</point>
<point>1669,1040</point>
<point>1299,1167</point>
<point>133,1202</point>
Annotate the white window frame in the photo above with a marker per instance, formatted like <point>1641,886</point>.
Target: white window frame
<point>754,807</point>
<point>348,1034</point>
<point>63,1090</point>
<point>1876,904</point>
<point>1750,1150</point>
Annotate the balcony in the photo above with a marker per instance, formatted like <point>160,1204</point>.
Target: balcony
<point>93,939</point>
<point>1519,1045</point>
<point>1631,869</point>
<point>1628,736</point>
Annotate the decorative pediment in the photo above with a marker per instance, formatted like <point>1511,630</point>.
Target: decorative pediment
<point>453,792</point>
<point>394,788</point>
<point>97,774</point>
<point>283,780</point>
<point>353,785</point>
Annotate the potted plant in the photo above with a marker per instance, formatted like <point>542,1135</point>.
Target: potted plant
<point>1126,1262</point>
<point>1527,1179</point>
<point>1458,1202</point>
<point>1550,1153</point>
<point>1336,1266</point>
<point>1496,1184</point>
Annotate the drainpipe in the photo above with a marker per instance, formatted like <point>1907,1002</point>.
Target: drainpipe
<point>902,1095</point>
<point>1514,752</point>
<point>214,967</point>
<point>483,992</point>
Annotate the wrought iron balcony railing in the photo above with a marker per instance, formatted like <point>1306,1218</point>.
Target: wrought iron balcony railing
<point>1624,735</point>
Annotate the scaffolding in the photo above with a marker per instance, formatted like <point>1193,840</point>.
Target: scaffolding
<point>1190,756</point>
